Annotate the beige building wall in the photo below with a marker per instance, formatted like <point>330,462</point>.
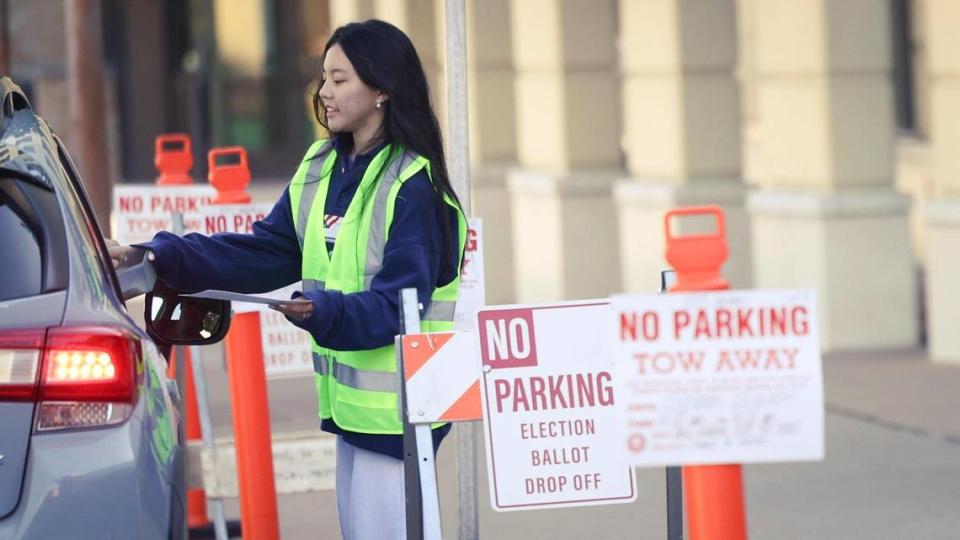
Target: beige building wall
<point>682,131</point>
<point>826,214</point>
<point>942,212</point>
<point>346,11</point>
<point>568,124</point>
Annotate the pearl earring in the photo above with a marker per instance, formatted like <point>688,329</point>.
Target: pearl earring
<point>379,103</point>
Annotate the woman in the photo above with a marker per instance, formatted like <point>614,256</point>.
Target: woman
<point>369,212</point>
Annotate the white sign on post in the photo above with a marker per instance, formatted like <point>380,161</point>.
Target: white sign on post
<point>472,289</point>
<point>286,348</point>
<point>554,432</point>
<point>235,218</point>
<point>139,212</point>
<point>720,377</point>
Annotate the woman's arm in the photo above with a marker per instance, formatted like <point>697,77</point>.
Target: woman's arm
<point>265,260</point>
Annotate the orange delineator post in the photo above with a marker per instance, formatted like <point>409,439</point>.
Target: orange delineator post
<point>196,498</point>
<point>173,157</point>
<point>713,493</point>
<point>248,381</point>
<point>231,178</point>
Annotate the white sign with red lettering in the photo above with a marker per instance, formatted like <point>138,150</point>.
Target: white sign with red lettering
<point>720,377</point>
<point>472,288</point>
<point>141,211</point>
<point>554,433</point>
<point>286,348</point>
<point>235,218</point>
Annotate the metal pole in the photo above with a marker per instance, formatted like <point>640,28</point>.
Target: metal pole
<point>458,156</point>
<point>426,470</point>
<point>674,474</point>
<point>206,427</point>
<point>674,503</point>
<point>413,500</point>
<point>87,102</point>
<point>458,164</point>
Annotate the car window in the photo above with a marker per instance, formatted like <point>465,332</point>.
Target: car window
<point>83,213</point>
<point>22,262</point>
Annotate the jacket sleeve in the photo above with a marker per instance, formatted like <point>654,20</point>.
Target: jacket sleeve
<point>411,258</point>
<point>265,260</point>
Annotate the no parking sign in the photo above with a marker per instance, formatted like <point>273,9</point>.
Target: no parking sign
<point>720,377</point>
<point>554,432</point>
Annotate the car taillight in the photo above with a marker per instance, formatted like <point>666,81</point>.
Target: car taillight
<point>81,376</point>
<point>19,364</point>
<point>89,364</point>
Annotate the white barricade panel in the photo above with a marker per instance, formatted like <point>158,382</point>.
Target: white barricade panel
<point>554,437</point>
<point>720,377</point>
<point>442,377</point>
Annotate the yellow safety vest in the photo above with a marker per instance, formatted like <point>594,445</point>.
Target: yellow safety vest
<point>360,389</point>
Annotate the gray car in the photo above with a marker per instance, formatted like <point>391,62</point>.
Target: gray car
<point>90,436</point>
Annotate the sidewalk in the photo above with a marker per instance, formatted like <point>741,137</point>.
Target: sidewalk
<point>893,456</point>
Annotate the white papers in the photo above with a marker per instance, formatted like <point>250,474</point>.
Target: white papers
<point>238,297</point>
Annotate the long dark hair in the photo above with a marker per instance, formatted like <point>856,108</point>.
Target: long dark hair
<point>385,59</point>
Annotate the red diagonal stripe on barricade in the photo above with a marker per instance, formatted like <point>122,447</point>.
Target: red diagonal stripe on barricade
<point>467,406</point>
<point>418,348</point>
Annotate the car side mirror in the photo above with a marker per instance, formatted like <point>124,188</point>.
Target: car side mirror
<point>172,319</point>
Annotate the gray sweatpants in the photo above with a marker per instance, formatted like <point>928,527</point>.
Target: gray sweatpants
<point>370,494</point>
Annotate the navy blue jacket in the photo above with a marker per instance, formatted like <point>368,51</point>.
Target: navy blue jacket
<point>270,258</point>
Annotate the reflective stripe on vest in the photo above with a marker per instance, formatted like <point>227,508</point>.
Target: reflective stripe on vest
<point>311,183</point>
<point>377,237</point>
<point>360,379</point>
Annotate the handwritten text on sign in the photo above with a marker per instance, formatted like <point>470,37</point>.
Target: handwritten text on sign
<point>554,432</point>
<point>724,377</point>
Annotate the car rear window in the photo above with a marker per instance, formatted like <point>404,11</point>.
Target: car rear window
<point>22,265</point>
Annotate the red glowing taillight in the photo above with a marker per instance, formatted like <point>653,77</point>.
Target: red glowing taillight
<point>89,364</point>
<point>80,376</point>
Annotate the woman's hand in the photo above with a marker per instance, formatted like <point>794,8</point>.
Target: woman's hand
<point>298,309</point>
<point>118,252</point>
